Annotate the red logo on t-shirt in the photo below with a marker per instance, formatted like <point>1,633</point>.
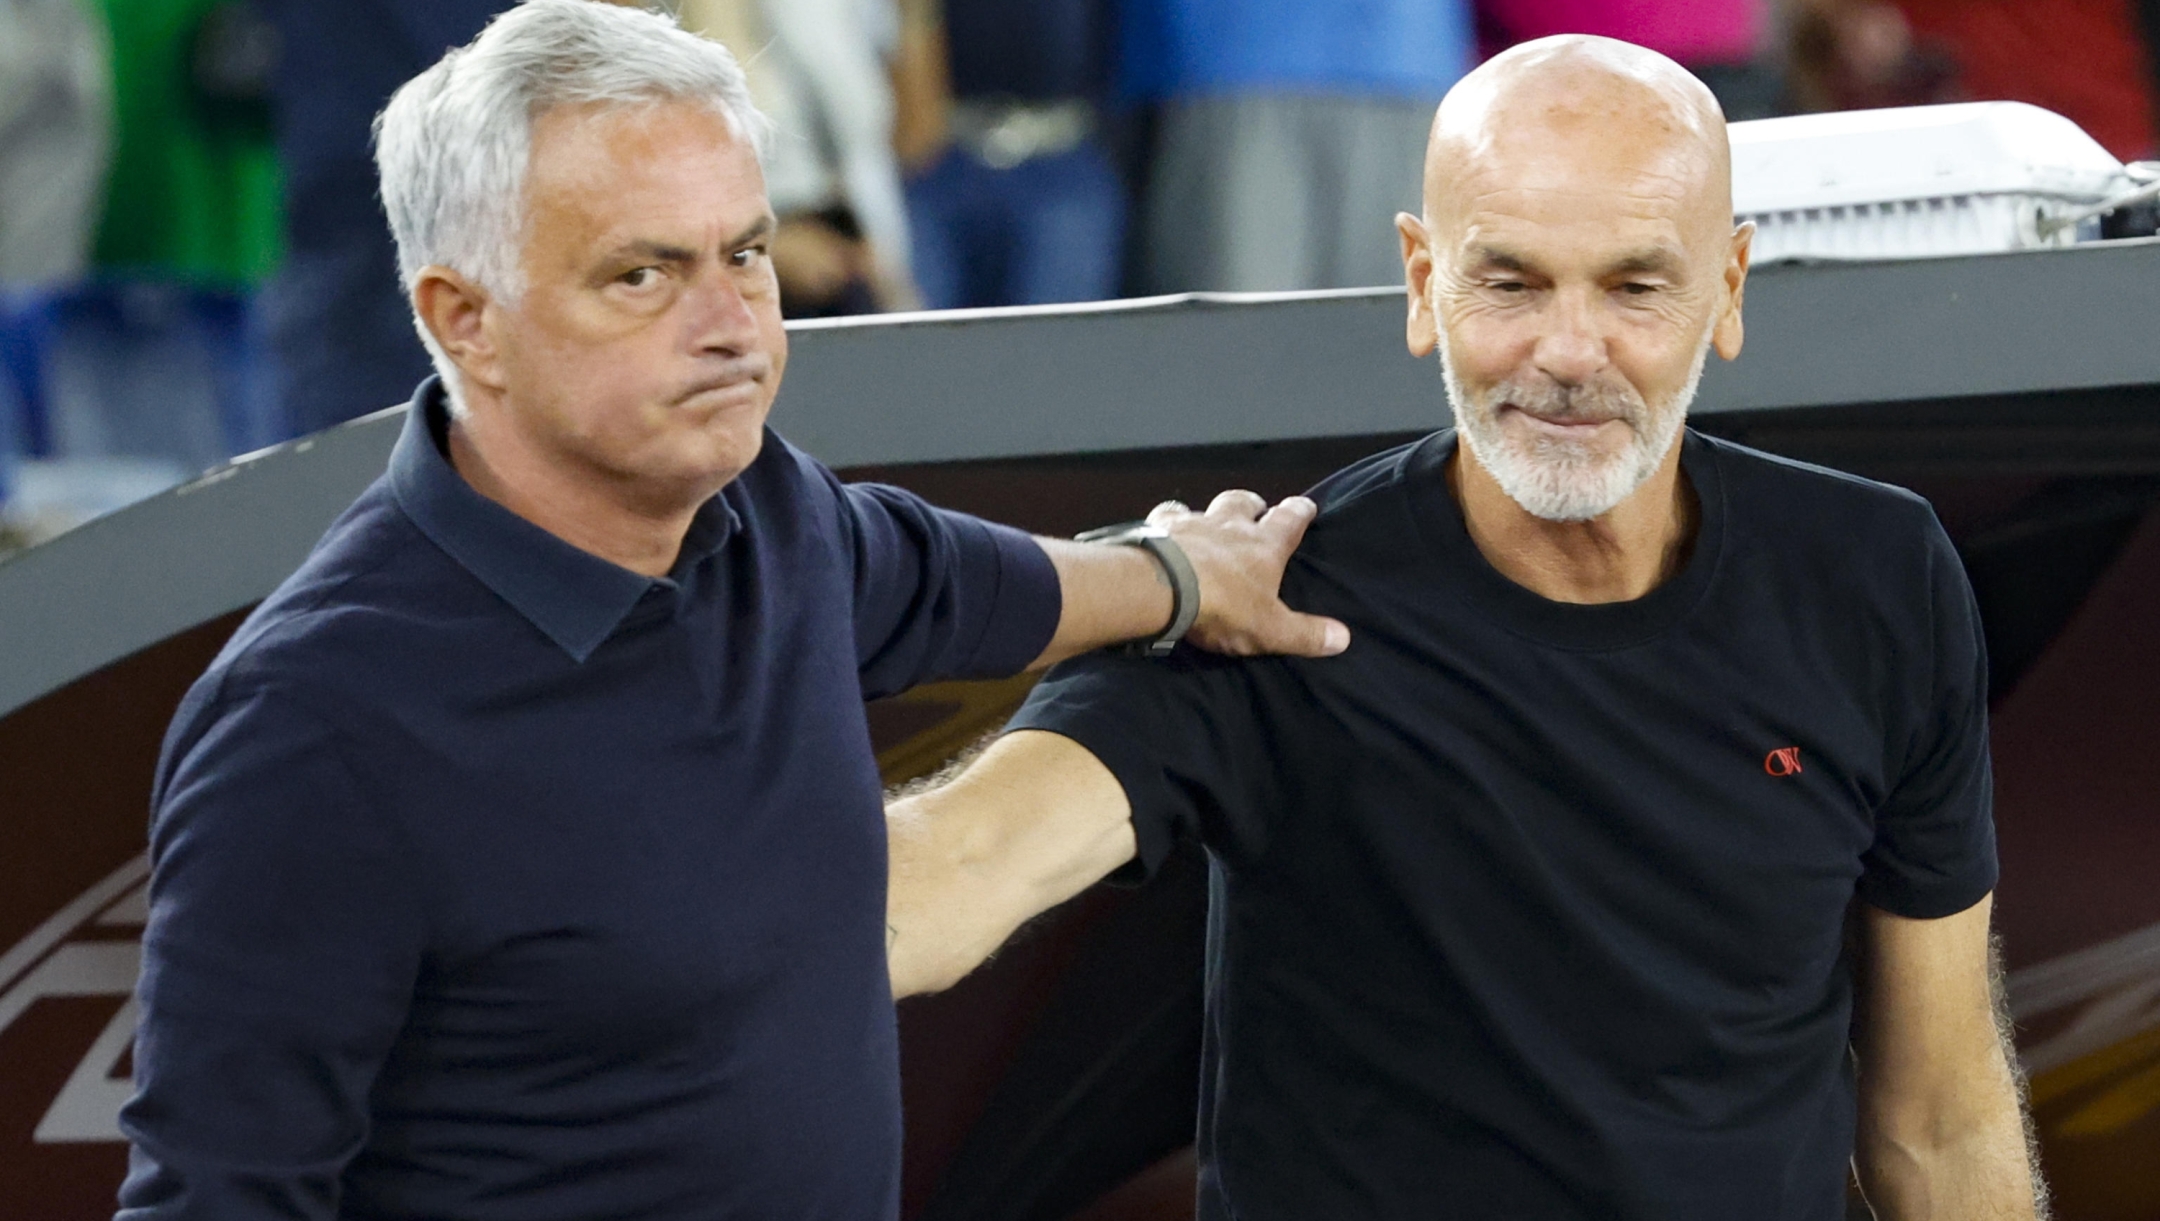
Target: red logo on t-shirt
<point>1784,761</point>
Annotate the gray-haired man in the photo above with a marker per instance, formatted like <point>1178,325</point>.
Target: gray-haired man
<point>522,856</point>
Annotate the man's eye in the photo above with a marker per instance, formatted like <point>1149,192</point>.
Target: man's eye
<point>748,256</point>
<point>639,277</point>
<point>1633,289</point>
<point>1509,286</point>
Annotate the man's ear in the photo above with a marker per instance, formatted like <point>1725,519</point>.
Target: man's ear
<point>1730,330</point>
<point>1424,329</point>
<point>456,311</point>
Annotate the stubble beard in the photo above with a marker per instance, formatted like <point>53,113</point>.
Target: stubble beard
<point>1557,478</point>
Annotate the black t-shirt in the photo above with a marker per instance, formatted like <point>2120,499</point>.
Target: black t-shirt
<point>1534,910</point>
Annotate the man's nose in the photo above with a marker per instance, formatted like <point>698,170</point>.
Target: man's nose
<point>722,319</point>
<point>1571,349</point>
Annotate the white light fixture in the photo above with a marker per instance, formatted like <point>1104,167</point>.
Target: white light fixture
<point>1967,178</point>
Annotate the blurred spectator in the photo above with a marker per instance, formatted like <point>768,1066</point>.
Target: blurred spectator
<point>1290,133</point>
<point>54,99</point>
<point>2085,59</point>
<point>1012,197</point>
<point>818,69</point>
<point>139,377</point>
<point>339,328</point>
<point>192,193</point>
<point>1861,55</point>
<point>54,102</point>
<point>1721,41</point>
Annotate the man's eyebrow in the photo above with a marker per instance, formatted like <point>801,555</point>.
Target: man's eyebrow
<point>1652,260</point>
<point>668,252</point>
<point>655,252</point>
<point>1497,259</point>
<point>763,228</point>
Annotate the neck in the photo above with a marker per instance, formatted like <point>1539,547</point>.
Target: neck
<point>577,504</point>
<point>1616,557</point>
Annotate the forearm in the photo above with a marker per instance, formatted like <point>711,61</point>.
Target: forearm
<point>1111,594</point>
<point>1975,1169</point>
<point>1942,1130</point>
<point>1034,821</point>
<point>946,910</point>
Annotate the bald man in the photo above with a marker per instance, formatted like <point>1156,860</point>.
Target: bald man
<point>1635,861</point>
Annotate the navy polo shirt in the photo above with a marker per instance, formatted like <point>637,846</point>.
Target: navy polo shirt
<point>492,880</point>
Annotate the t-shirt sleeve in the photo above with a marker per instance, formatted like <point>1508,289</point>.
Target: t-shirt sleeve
<point>1184,739</point>
<point>1934,849</point>
<point>279,961</point>
<point>940,594</point>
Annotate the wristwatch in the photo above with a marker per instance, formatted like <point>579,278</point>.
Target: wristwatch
<point>1184,582</point>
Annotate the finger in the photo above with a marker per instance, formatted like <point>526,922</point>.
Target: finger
<point>1237,502</point>
<point>1288,520</point>
<point>1166,510</point>
<point>1308,636</point>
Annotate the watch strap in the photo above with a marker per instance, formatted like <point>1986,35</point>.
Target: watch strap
<point>1184,581</point>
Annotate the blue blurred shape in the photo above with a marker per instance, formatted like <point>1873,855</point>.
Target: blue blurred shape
<point>116,389</point>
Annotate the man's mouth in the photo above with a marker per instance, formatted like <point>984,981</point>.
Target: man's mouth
<point>1573,426</point>
<point>736,381</point>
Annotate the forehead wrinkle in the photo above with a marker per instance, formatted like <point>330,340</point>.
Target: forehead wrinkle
<point>599,149</point>
<point>1537,160</point>
<point>1506,214</point>
<point>1649,197</point>
<point>591,163</point>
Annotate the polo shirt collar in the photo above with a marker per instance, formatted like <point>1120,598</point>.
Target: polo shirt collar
<point>574,597</point>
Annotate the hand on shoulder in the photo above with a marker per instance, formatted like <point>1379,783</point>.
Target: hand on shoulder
<point>1239,548</point>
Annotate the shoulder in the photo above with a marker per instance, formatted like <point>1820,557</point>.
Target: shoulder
<point>1864,552</point>
<point>1832,524</point>
<point>781,469</point>
<point>793,501</point>
<point>355,613</point>
<point>1351,499</point>
<point>786,493</point>
<point>1367,510</point>
<point>1375,477</point>
<point>1772,499</point>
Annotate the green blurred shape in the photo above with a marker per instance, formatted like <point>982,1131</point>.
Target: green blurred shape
<point>195,190</point>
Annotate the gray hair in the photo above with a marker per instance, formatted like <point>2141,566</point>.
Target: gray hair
<point>453,144</point>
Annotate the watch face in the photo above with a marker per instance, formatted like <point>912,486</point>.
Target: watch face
<point>1106,534</point>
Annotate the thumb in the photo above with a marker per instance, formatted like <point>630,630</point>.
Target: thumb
<point>1309,636</point>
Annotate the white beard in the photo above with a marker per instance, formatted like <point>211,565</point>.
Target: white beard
<point>1562,480</point>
